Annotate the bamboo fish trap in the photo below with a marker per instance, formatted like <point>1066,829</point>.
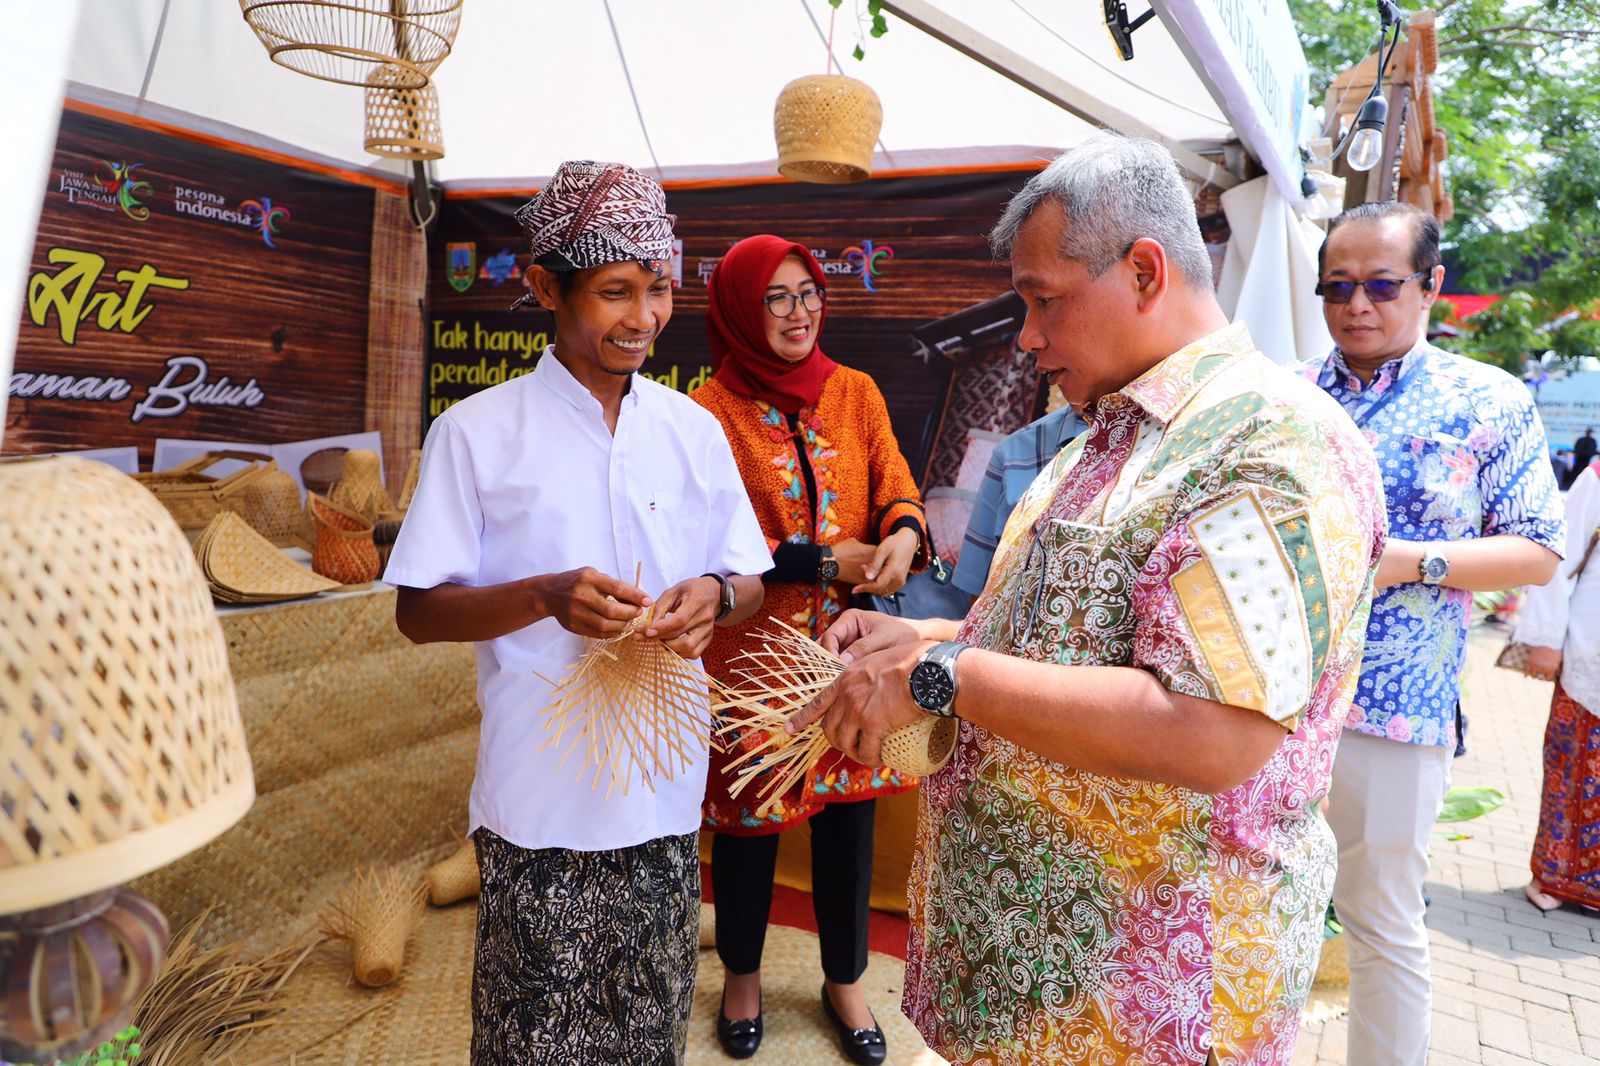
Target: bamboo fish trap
<point>632,706</point>
<point>777,680</point>
<point>376,915</point>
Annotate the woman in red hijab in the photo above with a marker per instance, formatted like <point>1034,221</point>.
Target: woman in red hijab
<point>842,515</point>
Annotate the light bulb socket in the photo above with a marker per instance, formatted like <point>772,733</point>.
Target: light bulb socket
<point>1374,114</point>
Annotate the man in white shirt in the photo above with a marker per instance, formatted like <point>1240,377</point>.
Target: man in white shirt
<point>539,500</point>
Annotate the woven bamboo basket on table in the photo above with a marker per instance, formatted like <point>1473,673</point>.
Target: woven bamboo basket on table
<point>345,550</point>
<point>271,506</point>
<point>826,125</point>
<point>320,469</point>
<point>194,497</point>
<point>359,489</point>
<point>242,566</point>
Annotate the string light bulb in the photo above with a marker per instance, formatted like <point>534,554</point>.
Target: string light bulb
<point>1366,147</point>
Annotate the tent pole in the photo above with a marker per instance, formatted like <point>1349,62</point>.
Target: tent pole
<point>1036,79</point>
<point>155,51</point>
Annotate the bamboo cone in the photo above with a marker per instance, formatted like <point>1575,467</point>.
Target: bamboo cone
<point>455,878</point>
<point>777,680</point>
<point>376,915</point>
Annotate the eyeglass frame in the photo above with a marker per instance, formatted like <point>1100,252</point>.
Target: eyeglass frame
<point>1398,283</point>
<point>795,298</point>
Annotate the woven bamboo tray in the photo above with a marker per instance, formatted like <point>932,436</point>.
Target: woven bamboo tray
<point>242,566</point>
<point>194,497</point>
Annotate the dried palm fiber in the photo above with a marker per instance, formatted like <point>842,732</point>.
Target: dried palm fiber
<point>271,505</point>
<point>777,680</point>
<point>376,915</point>
<point>455,878</point>
<point>343,715</point>
<point>242,566</point>
<point>193,497</point>
<point>121,731</point>
<point>359,489</point>
<point>206,1002</point>
<point>345,550</point>
<point>634,706</point>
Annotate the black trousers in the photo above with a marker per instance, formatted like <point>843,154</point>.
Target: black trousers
<point>841,884</point>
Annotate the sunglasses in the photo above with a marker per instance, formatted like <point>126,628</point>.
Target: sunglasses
<point>1378,290</point>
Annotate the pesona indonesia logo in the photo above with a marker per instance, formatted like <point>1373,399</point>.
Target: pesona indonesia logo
<point>265,217</point>
<point>111,187</point>
<point>867,259</point>
<point>262,215</point>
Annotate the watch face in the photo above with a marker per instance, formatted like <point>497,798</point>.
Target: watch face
<point>829,569</point>
<point>1435,567</point>
<point>932,686</point>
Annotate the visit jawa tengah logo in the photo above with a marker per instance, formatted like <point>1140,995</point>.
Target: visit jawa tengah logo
<point>111,187</point>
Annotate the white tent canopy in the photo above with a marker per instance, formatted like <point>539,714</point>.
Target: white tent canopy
<point>533,82</point>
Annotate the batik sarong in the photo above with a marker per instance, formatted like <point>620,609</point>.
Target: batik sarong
<point>1566,847</point>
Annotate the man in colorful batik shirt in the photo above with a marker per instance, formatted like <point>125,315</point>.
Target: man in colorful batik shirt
<point>1124,861</point>
<point>1472,506</point>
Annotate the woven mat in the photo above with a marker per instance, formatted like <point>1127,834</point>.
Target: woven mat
<point>424,1018</point>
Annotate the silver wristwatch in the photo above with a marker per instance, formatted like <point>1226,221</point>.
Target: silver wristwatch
<point>1434,565</point>
<point>933,679</point>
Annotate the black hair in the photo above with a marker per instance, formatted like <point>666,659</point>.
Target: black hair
<point>1424,228</point>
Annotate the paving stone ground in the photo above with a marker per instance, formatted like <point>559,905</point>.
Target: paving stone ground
<point>1510,985</point>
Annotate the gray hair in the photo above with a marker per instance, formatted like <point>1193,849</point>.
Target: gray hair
<point>1113,190</point>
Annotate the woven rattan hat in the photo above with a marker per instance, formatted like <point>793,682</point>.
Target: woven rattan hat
<point>826,125</point>
<point>360,487</point>
<point>242,566</point>
<point>123,743</point>
<point>271,506</point>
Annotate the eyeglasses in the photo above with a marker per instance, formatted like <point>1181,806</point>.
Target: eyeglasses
<point>1378,290</point>
<point>781,304</point>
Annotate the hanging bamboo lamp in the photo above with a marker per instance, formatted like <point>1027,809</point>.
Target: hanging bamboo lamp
<point>402,122</point>
<point>343,40</point>
<point>826,125</point>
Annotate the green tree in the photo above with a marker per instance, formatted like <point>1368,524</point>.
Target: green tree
<point>1518,91</point>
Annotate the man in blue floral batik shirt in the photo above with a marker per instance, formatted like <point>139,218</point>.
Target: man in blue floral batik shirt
<point>1473,506</point>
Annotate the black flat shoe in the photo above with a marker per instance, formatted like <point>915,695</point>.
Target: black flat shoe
<point>865,1047</point>
<point>741,1038</point>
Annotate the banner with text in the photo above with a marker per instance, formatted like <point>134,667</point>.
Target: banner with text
<point>183,290</point>
<point>898,253</point>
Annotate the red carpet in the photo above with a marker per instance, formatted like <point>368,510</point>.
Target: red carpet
<point>886,933</point>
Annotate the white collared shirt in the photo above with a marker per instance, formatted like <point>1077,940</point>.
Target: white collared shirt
<point>525,479</point>
<point>1564,613</point>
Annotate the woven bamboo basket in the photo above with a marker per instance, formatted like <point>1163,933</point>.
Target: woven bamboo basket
<point>402,122</point>
<point>271,506</point>
<point>376,915</point>
<point>123,744</point>
<point>345,550</point>
<point>359,489</point>
<point>342,40</point>
<point>194,497</point>
<point>455,878</point>
<point>826,125</point>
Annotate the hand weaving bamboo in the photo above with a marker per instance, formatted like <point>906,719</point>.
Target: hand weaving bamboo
<point>631,705</point>
<point>776,681</point>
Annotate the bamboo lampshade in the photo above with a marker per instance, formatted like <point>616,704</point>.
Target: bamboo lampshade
<point>402,122</point>
<point>123,744</point>
<point>342,40</point>
<point>826,125</point>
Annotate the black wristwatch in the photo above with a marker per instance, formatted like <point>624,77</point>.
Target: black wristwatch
<point>828,568</point>
<point>727,596</point>
<point>933,679</point>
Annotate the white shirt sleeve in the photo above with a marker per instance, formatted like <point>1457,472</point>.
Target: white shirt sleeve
<point>441,539</point>
<point>1545,613</point>
<point>736,544</point>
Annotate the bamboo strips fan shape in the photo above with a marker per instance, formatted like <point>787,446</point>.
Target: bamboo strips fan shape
<point>343,40</point>
<point>632,707</point>
<point>775,681</point>
<point>242,566</point>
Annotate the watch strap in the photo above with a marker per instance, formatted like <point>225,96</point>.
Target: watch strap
<point>725,597</point>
